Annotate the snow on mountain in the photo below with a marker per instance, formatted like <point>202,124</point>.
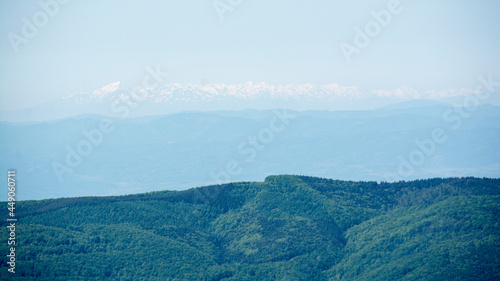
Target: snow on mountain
<point>113,90</point>
<point>176,92</point>
<point>117,100</point>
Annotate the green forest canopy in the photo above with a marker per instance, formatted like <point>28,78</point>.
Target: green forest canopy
<point>285,228</point>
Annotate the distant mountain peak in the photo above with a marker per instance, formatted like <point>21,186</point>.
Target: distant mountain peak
<point>107,89</point>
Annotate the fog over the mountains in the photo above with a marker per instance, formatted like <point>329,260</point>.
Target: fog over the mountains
<point>98,155</point>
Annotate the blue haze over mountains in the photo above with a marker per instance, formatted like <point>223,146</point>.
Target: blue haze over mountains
<point>194,148</point>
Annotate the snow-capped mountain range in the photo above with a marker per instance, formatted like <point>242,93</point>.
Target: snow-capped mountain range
<point>117,100</point>
<point>175,92</point>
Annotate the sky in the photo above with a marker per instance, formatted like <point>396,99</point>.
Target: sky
<point>84,45</point>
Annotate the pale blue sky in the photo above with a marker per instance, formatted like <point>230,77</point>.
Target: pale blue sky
<point>88,44</point>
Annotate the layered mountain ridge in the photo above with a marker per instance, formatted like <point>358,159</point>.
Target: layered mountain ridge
<point>78,156</point>
<point>116,100</point>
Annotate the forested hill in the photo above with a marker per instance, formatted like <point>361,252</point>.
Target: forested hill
<point>285,228</point>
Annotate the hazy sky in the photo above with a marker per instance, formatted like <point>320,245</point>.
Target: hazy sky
<point>88,44</point>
